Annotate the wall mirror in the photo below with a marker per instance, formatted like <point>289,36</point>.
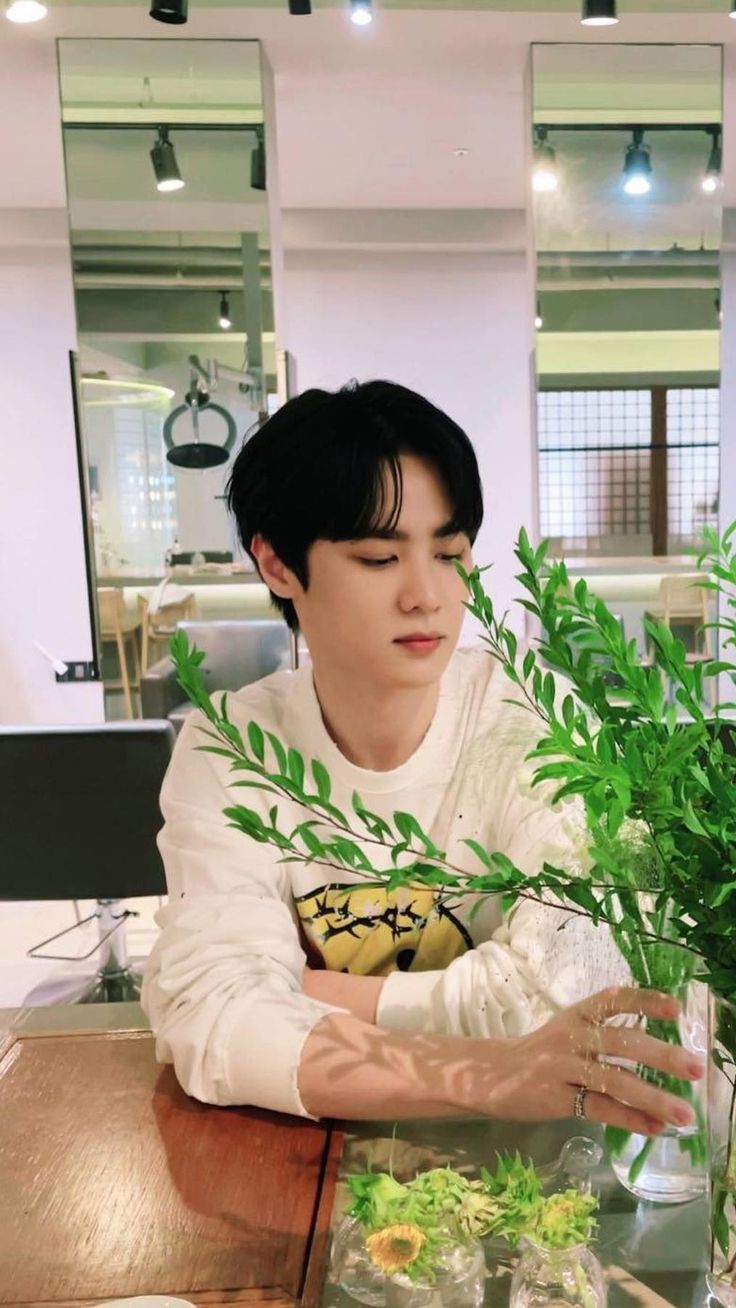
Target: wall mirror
<point>166,180</point>
<point>627,221</point>
<point>166,177</point>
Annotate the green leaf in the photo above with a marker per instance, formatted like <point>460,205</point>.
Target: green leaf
<point>321,780</point>
<point>279,753</point>
<point>255,739</point>
<point>295,764</point>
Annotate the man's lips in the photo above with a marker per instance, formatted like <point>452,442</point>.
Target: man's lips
<point>419,637</point>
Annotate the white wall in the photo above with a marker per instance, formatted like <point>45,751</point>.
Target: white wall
<point>452,326</point>
<point>43,589</point>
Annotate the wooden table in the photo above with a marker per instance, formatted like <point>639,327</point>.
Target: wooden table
<point>114,1183</point>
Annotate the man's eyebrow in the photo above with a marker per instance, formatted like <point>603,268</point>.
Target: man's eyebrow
<point>392,533</point>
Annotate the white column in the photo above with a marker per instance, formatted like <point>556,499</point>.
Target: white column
<point>43,585</point>
<point>454,326</point>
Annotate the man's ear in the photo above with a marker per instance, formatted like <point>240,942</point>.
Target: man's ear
<point>279,579</point>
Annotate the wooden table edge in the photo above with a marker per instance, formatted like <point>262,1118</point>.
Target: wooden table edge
<point>316,1271</point>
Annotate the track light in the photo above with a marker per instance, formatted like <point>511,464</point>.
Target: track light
<point>25,11</point>
<point>637,165</point>
<point>258,163</point>
<point>300,7</point>
<point>163,158</point>
<point>169,11</point>
<point>544,177</point>
<point>226,321</point>
<point>361,12</point>
<point>712,176</point>
<point>599,13</point>
<point>539,320</point>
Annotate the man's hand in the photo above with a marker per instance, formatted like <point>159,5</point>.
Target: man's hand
<point>353,1070</point>
<point>538,1076</point>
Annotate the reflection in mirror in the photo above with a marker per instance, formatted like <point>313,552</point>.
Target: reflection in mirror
<point>166,179</point>
<point>627,221</point>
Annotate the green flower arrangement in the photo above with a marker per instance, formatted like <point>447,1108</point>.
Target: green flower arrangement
<point>407,1226</point>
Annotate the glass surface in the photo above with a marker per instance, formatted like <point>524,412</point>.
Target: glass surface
<point>628,295</point>
<point>646,1250</point>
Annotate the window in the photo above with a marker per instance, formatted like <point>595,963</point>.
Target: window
<point>628,471</point>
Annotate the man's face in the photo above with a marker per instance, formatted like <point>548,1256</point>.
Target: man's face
<point>388,609</point>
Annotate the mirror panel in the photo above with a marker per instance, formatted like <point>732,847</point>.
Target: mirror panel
<point>628,299</point>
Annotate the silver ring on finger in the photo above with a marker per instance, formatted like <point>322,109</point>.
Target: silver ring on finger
<point>580,1094</point>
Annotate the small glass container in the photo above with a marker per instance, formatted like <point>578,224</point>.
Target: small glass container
<point>557,1278</point>
<point>459,1282</point>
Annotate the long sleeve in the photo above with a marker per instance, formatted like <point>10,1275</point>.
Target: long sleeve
<point>541,957</point>
<point>223,984</point>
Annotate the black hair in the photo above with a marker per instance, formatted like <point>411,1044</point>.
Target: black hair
<point>316,470</point>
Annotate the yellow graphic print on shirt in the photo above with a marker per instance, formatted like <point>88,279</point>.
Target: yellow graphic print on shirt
<point>370,931</point>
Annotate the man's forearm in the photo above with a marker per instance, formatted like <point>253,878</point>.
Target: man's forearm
<point>351,1069</point>
<point>359,994</point>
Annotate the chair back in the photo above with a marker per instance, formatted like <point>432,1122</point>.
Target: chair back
<point>111,608</point>
<point>164,621</point>
<point>79,810</point>
<point>682,597</point>
<point>239,652</point>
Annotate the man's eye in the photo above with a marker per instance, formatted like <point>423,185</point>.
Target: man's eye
<point>377,563</point>
<point>450,558</point>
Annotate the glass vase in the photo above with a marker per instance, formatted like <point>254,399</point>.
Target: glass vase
<point>722,1150</point>
<point>671,1167</point>
<point>557,1278</point>
<point>459,1281</point>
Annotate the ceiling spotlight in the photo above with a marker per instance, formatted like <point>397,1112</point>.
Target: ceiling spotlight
<point>169,11</point>
<point>544,177</point>
<point>258,163</point>
<point>599,13</point>
<point>226,321</point>
<point>163,158</point>
<point>361,12</point>
<point>637,165</point>
<point>712,176</point>
<point>25,11</point>
<point>539,320</point>
<point>300,6</point>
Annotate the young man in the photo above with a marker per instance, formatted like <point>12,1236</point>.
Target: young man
<point>270,986</point>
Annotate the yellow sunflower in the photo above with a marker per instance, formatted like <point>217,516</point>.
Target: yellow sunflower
<point>395,1247</point>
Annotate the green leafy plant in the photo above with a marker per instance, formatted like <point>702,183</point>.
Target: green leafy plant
<point>441,1207</point>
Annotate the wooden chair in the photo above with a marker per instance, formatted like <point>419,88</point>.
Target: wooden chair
<point>158,627</point>
<point>121,628</point>
<point>683,603</point>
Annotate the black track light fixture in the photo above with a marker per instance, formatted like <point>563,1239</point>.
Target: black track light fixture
<point>599,13</point>
<point>711,179</point>
<point>163,158</point>
<point>300,6</point>
<point>361,12</point>
<point>258,163</point>
<point>25,11</point>
<point>225,320</point>
<point>637,165</point>
<point>169,11</point>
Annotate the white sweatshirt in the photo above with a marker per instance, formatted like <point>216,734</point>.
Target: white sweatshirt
<point>223,986</point>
